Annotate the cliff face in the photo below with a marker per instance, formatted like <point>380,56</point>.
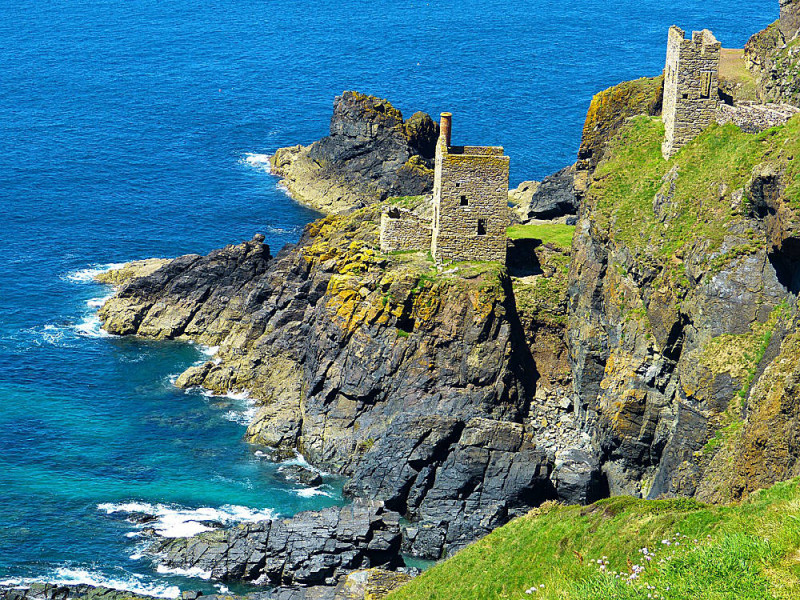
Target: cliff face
<point>370,154</point>
<point>682,286</point>
<point>414,382</point>
<point>773,56</point>
<point>608,112</point>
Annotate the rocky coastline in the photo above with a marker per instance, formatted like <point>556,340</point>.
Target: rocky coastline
<point>371,153</point>
<point>656,357</point>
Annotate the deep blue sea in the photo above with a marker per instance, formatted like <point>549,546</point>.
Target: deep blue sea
<point>138,128</point>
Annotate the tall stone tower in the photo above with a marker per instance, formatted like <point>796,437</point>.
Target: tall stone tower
<point>690,87</point>
<point>470,201</point>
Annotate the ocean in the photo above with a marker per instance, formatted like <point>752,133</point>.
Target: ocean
<point>140,128</point>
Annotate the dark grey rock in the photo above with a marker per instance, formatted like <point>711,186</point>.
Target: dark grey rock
<point>554,197</point>
<point>301,474</point>
<point>311,548</point>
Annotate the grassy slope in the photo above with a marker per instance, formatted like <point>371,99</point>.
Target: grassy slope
<point>711,168</point>
<point>744,551</point>
<point>550,233</point>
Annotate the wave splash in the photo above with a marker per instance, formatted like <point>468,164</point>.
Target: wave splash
<point>129,582</point>
<point>171,521</point>
<point>258,161</point>
<point>88,274</point>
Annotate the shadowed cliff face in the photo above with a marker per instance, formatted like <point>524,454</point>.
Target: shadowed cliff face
<point>773,56</point>
<point>682,286</point>
<point>370,154</point>
<point>416,383</point>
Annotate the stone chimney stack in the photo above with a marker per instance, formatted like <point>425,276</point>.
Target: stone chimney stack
<point>445,127</point>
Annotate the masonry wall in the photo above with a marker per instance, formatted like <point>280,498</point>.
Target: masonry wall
<point>473,228</point>
<point>690,87</point>
<point>401,229</point>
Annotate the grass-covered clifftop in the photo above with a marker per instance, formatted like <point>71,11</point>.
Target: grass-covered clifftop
<point>622,548</point>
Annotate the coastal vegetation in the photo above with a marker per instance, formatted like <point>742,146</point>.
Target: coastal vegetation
<point>557,234</point>
<point>623,548</point>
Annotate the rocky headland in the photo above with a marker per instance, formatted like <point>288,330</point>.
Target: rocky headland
<point>655,356</point>
<point>371,153</point>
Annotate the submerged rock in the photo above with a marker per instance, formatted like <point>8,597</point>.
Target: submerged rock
<point>301,474</point>
<point>370,154</point>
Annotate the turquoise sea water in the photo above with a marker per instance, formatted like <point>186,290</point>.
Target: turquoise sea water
<point>139,128</point>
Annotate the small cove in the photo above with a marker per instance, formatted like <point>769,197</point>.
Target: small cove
<point>139,129</point>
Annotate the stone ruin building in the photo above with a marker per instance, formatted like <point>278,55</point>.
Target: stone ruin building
<point>690,87</point>
<point>470,206</point>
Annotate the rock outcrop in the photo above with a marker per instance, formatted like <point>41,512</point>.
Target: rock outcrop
<point>363,584</point>
<point>416,383</point>
<point>370,154</point>
<point>676,292</point>
<point>773,57</point>
<point>311,548</point>
<point>551,198</point>
<point>657,357</point>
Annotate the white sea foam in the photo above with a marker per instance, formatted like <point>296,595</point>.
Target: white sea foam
<point>209,350</point>
<point>284,230</point>
<point>300,461</point>
<point>191,572</point>
<point>259,161</point>
<point>310,492</point>
<point>244,413</point>
<point>281,187</point>
<point>92,327</point>
<point>88,275</point>
<point>52,334</point>
<point>175,521</point>
<point>98,302</point>
<point>74,576</point>
<point>244,417</point>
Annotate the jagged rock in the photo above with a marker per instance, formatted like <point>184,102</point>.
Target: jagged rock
<point>310,548</point>
<point>774,61</point>
<point>131,270</point>
<point>354,356</point>
<point>372,584</point>
<point>553,197</point>
<point>49,591</point>
<point>577,477</point>
<point>370,154</point>
<point>301,474</point>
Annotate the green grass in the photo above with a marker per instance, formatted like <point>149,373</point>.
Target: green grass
<point>742,551</point>
<point>409,202</point>
<point>709,170</point>
<point>555,234</point>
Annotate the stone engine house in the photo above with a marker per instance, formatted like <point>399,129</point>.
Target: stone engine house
<point>470,201</point>
<point>470,206</point>
<point>691,86</point>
